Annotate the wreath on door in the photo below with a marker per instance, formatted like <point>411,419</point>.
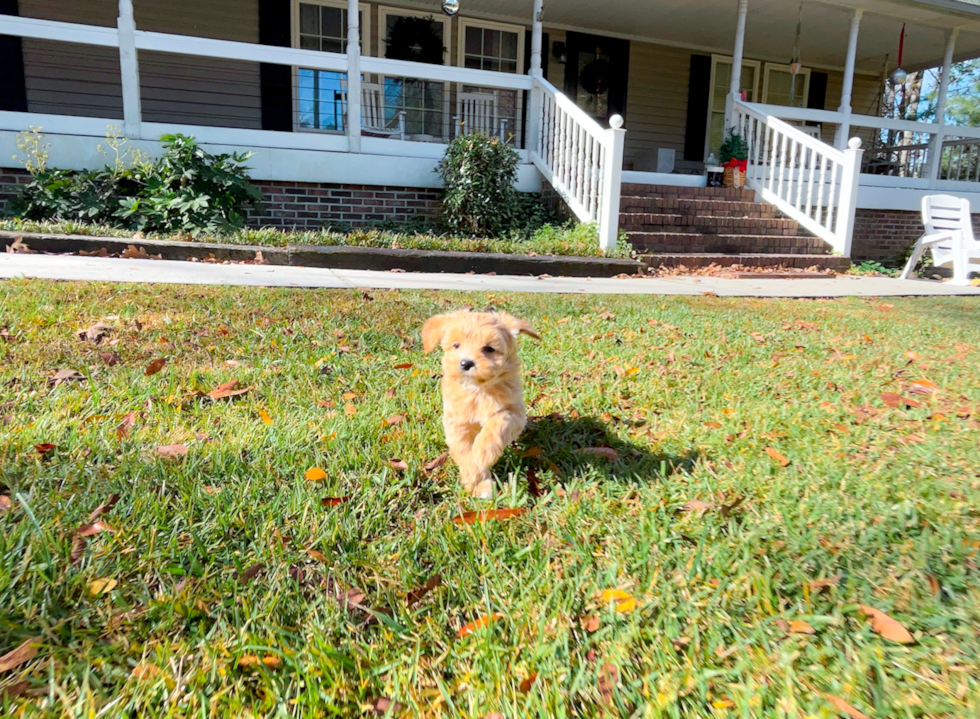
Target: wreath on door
<point>415,39</point>
<point>595,77</point>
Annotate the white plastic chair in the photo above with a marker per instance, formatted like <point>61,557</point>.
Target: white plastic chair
<point>949,235</point>
<point>373,121</point>
<point>478,112</point>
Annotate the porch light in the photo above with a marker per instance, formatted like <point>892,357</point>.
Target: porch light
<point>450,7</point>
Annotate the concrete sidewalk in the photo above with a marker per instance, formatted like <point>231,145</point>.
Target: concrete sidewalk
<point>66,267</point>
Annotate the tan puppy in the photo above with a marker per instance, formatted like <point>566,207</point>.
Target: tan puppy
<point>482,399</point>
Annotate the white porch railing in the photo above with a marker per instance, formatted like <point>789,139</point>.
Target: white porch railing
<point>806,179</point>
<point>582,160</point>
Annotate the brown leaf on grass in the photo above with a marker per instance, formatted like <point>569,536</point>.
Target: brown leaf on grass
<point>145,672</point>
<point>6,335</point>
<point>14,690</point>
<point>5,503</point>
<point>315,474</point>
<point>416,595</point>
<point>404,365</point>
<point>528,682</point>
<point>591,623</point>
<point>777,456</point>
<point>399,465</point>
<point>265,417</point>
<point>478,624</point>
<point>250,661</point>
<point>844,708</point>
<point>713,425</point>
<point>318,555</point>
<point>828,582</point>
<point>26,651</point>
<point>533,487</point>
<point>78,545</point>
<point>382,705</point>
<point>350,410</point>
<point>95,332</point>
<point>488,515</point>
<point>390,393</point>
<point>155,366</point>
<point>333,501</point>
<point>608,678</point>
<point>103,508</point>
<point>128,421</point>
<point>394,419</point>
<point>227,390</point>
<point>65,375</point>
<point>45,448</point>
<point>605,452</point>
<point>696,505</point>
<point>98,587</point>
<point>93,528</point>
<point>898,401</point>
<point>934,586</point>
<point>607,316</point>
<point>923,386</point>
<point>531,452</point>
<point>433,465</point>
<point>886,626</point>
<point>172,451</point>
<point>798,626</point>
<point>250,573</point>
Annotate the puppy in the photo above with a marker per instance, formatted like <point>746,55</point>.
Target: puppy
<point>482,399</point>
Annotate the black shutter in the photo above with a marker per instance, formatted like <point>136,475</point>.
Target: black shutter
<point>699,86</point>
<point>276,80</point>
<point>13,89</point>
<point>817,100</point>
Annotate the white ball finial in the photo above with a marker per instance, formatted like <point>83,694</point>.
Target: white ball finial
<point>854,143</point>
<point>616,122</point>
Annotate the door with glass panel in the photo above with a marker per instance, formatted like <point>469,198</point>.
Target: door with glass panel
<point>721,78</point>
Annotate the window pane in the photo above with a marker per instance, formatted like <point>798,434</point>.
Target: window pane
<point>308,42</point>
<point>305,96</point>
<point>332,22</point>
<point>332,45</point>
<point>473,41</point>
<point>309,20</point>
<point>509,45</point>
<point>491,43</point>
<point>508,66</point>
<point>473,63</point>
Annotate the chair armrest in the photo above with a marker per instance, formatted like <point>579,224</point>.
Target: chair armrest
<point>938,237</point>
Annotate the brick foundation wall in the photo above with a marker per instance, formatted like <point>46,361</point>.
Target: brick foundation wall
<point>10,183</point>
<point>885,235</point>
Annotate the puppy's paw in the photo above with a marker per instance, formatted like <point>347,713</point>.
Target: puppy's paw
<point>479,483</point>
<point>483,490</point>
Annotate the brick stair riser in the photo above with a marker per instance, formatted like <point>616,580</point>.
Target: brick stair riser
<point>707,193</point>
<point>839,264</point>
<point>731,243</point>
<point>637,222</point>
<point>639,205</point>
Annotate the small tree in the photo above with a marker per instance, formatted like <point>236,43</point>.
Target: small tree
<point>479,173</point>
<point>734,148</point>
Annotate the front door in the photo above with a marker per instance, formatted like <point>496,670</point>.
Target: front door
<point>596,74</point>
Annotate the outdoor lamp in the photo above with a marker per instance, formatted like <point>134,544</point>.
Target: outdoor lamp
<point>450,7</point>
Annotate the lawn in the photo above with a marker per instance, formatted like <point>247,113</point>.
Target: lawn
<point>753,488</point>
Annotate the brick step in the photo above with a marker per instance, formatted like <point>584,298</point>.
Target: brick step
<point>705,193</point>
<point>697,242</point>
<point>707,224</point>
<point>698,206</point>
<point>696,260</point>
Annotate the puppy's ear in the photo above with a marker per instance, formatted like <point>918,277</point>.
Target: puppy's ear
<point>433,331</point>
<point>517,326</point>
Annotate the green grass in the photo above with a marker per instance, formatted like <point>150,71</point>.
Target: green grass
<point>690,391</point>
<point>575,240</point>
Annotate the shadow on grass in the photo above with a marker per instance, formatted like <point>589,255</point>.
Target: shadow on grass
<point>573,447</point>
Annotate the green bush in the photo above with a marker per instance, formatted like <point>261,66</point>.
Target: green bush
<point>187,190</point>
<point>479,199</point>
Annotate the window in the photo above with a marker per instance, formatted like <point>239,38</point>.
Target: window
<point>321,25</point>
<point>500,48</point>
<point>405,35</point>
<point>721,76</point>
<point>781,87</point>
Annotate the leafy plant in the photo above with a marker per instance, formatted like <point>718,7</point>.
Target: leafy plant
<point>733,148</point>
<point>479,199</point>
<point>186,190</point>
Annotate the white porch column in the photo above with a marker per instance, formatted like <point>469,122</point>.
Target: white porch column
<point>532,132</point>
<point>936,141</point>
<point>848,88</point>
<point>129,71</point>
<point>735,91</point>
<point>353,76</point>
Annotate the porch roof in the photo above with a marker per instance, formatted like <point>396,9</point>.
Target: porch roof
<point>709,26</point>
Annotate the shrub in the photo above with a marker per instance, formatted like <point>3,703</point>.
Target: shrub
<point>186,190</point>
<point>479,198</point>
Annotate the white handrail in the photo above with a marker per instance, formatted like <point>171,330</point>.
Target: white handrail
<point>806,179</point>
<point>56,30</point>
<point>582,160</point>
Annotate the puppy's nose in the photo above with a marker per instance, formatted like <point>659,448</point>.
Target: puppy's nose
<point>467,365</point>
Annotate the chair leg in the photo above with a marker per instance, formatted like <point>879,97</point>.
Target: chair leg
<point>913,260</point>
<point>961,269</point>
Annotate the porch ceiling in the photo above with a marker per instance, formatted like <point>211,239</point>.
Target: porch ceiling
<point>710,25</point>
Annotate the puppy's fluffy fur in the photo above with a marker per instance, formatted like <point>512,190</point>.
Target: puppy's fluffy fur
<point>483,403</point>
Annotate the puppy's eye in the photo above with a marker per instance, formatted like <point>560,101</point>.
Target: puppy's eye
<point>456,346</point>
<point>489,350</point>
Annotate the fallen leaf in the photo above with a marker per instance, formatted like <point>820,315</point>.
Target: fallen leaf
<point>592,623</point>
<point>887,627</point>
<point>333,501</point>
<point>845,708</point>
<point>934,585</point>
<point>65,375</point>
<point>45,449</point>
<point>533,487</point>
<point>487,515</point>
<point>390,393</point>
<point>26,651</point>
<point>266,417</point>
<point>315,474</point>
<point>78,545</point>
<point>472,627</point>
<point>531,452</point>
<point>607,316</point>
<point>828,582</point>
<point>382,705</point>
<point>318,555</point>
<point>696,505</point>
<point>350,409</point>
<point>713,425</point>
<point>145,672</point>
<point>399,465</point>
<point>896,400</point>
<point>404,365</point>
<point>624,602</point>
<point>172,451</point>
<point>227,390</point>
<point>103,508</point>
<point>95,332</point>
<point>128,421</point>
<point>101,586</point>
<point>5,504</point>
<point>433,465</point>
<point>417,594</point>
<point>608,678</point>
<point>528,682</point>
<point>349,395</point>
<point>777,456</point>
<point>212,489</point>
<point>605,452</point>
<point>250,573</point>
<point>798,626</point>
<point>923,386</point>
<point>93,528</point>
<point>394,419</point>
<point>155,366</point>
<point>250,661</point>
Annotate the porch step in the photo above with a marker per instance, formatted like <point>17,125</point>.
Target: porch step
<point>698,206</point>
<point>726,243</point>
<point>695,261</point>
<point>707,223</point>
<point>703,193</point>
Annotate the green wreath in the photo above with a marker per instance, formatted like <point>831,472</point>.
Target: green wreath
<point>416,39</point>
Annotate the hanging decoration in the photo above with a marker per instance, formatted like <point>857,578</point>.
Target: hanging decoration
<point>796,64</point>
<point>594,78</point>
<point>900,76</point>
<point>450,7</point>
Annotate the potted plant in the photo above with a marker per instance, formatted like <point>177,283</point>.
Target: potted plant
<point>734,152</point>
